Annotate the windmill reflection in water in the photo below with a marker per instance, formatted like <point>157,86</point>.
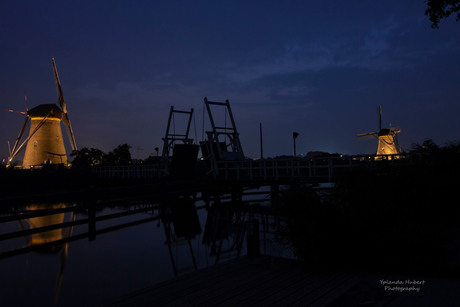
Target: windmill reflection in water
<point>43,239</point>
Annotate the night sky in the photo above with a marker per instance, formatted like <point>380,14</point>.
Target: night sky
<point>320,68</point>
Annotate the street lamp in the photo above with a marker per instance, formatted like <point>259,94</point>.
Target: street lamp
<point>295,135</point>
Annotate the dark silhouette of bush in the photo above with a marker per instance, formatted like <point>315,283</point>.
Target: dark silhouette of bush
<point>439,9</point>
<point>387,219</point>
<point>87,157</point>
<point>119,156</point>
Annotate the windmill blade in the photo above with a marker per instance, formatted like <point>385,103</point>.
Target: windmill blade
<point>366,134</point>
<point>59,88</point>
<point>380,118</point>
<point>27,238</point>
<point>18,150</point>
<point>396,129</point>
<point>64,254</point>
<point>62,104</point>
<point>70,134</point>
<point>13,111</point>
<point>400,149</point>
<point>15,147</point>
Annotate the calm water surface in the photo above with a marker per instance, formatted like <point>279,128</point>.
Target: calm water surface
<point>95,272</point>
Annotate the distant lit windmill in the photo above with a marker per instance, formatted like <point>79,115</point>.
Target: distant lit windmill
<point>388,144</point>
<point>45,143</point>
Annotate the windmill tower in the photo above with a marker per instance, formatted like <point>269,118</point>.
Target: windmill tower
<point>388,144</point>
<point>45,144</point>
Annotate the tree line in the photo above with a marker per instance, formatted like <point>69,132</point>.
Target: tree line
<point>121,155</point>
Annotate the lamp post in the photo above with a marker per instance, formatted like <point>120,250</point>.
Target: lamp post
<point>261,142</point>
<point>295,135</point>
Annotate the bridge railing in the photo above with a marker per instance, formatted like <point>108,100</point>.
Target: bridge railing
<point>264,169</point>
<point>319,167</point>
<point>130,171</point>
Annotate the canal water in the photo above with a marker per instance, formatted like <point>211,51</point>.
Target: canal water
<point>124,246</point>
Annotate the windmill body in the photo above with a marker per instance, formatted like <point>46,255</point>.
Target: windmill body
<point>46,146</point>
<point>388,144</point>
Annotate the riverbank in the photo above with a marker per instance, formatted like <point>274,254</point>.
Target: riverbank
<point>66,185</point>
<point>396,221</point>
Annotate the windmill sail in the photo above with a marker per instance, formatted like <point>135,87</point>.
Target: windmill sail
<point>63,106</point>
<point>369,133</point>
<point>16,144</point>
<point>59,88</point>
<point>17,148</point>
<point>66,121</point>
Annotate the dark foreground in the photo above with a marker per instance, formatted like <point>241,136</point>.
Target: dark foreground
<point>246,281</point>
<point>272,281</point>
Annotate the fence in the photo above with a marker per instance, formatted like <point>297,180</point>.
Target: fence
<point>130,171</point>
<point>264,169</point>
<point>314,168</point>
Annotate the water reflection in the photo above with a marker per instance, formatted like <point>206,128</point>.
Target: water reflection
<point>116,241</point>
<point>42,221</point>
<point>224,223</point>
<point>43,237</point>
<point>181,225</point>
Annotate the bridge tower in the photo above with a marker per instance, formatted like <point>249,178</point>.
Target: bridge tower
<point>179,151</point>
<point>171,138</point>
<point>223,143</point>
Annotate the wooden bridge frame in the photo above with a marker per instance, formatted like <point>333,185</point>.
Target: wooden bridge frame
<point>170,138</point>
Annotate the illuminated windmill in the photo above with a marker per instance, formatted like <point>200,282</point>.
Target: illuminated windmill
<point>45,144</point>
<point>388,144</point>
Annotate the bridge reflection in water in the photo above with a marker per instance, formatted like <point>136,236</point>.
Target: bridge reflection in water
<point>105,248</point>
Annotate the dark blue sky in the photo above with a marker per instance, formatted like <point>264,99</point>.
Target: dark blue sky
<point>320,68</point>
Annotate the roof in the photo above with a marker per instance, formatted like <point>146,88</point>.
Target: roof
<point>390,131</point>
<point>44,109</point>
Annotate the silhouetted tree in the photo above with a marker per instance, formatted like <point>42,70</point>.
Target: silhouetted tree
<point>119,156</point>
<point>439,9</point>
<point>151,160</point>
<point>427,146</point>
<point>87,157</point>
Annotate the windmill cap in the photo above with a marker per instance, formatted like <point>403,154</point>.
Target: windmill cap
<point>45,109</point>
<point>390,131</point>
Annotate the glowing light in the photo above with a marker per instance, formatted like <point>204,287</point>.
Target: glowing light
<point>49,118</point>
